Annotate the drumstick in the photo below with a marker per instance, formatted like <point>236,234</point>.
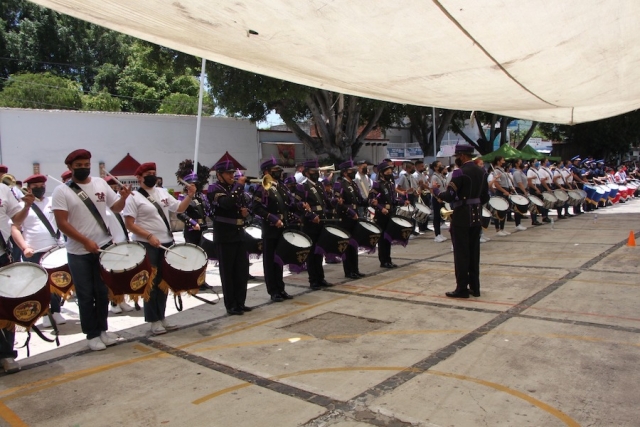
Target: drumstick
<point>5,275</point>
<point>172,251</point>
<point>116,179</point>
<point>56,180</point>
<point>183,182</point>
<point>111,252</point>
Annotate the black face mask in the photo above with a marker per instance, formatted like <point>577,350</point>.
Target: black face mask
<point>441,169</point>
<point>38,192</point>
<point>351,175</point>
<point>276,175</point>
<point>81,174</point>
<point>150,180</point>
<point>314,176</point>
<point>388,177</point>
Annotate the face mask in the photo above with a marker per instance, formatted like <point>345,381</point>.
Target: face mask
<point>314,176</point>
<point>351,175</point>
<point>276,174</point>
<point>388,177</point>
<point>512,169</point>
<point>150,180</point>
<point>547,164</point>
<point>38,192</point>
<point>81,173</point>
<point>536,164</point>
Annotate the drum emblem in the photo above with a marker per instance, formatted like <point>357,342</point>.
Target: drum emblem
<point>140,280</point>
<point>61,279</point>
<point>202,277</point>
<point>342,246</point>
<point>260,245</point>
<point>406,232</point>
<point>27,311</point>
<point>301,256</point>
<point>373,240</point>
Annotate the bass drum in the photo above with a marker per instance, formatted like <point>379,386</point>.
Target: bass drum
<point>184,268</point>
<point>332,241</point>
<point>293,248</point>
<point>126,270</point>
<point>56,264</point>
<point>398,230</point>
<point>366,234</point>
<point>24,294</point>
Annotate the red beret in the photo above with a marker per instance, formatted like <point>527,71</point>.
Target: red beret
<point>34,179</point>
<point>145,167</point>
<point>4,169</point>
<point>66,175</point>
<point>75,155</point>
<point>111,181</point>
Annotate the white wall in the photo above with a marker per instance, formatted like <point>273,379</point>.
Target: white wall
<point>47,136</point>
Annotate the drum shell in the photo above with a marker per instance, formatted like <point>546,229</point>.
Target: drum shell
<point>332,244</point>
<point>287,253</point>
<point>130,281</point>
<point>24,310</point>
<point>550,200</point>
<point>533,207</point>
<point>421,213</point>
<point>398,233</point>
<point>208,246</point>
<point>485,219</point>
<point>521,207</point>
<point>405,212</point>
<point>364,237</point>
<point>183,280</point>
<point>575,197</point>
<point>562,197</point>
<point>59,278</point>
<point>254,245</point>
<point>498,212</point>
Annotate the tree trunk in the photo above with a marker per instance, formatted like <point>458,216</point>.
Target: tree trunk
<point>527,136</point>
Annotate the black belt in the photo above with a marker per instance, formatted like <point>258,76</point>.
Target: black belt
<point>467,202</point>
<point>235,221</point>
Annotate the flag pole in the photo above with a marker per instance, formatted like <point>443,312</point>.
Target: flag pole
<point>199,119</point>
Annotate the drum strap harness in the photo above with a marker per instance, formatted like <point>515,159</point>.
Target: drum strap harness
<point>89,204</point>
<point>124,227</point>
<point>45,221</point>
<point>157,206</point>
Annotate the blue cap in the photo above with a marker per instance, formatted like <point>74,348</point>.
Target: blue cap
<point>573,159</point>
<point>311,164</point>
<point>346,165</point>
<point>600,161</point>
<point>268,164</point>
<point>464,149</point>
<point>224,166</point>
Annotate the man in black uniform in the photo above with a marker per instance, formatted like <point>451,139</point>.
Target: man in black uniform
<point>271,203</point>
<point>348,200</point>
<point>383,199</point>
<point>229,239</point>
<point>311,192</point>
<point>466,193</point>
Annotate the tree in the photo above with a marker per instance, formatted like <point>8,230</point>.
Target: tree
<point>421,125</point>
<point>340,123</point>
<point>179,103</point>
<point>41,91</point>
<point>101,101</point>
<point>498,126</point>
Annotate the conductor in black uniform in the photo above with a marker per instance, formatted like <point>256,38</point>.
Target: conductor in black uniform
<point>347,200</point>
<point>466,193</point>
<point>312,196</point>
<point>271,203</point>
<point>229,238</point>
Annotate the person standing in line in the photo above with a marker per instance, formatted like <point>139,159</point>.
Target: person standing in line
<point>536,184</point>
<point>466,193</point>
<point>80,211</point>
<point>438,181</point>
<point>502,188</point>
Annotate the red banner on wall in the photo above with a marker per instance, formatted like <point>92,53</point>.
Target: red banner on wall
<point>287,154</point>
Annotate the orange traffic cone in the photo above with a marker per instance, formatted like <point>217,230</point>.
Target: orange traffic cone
<point>632,239</point>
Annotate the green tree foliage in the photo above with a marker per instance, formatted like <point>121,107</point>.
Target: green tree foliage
<point>102,101</point>
<point>41,91</point>
<point>179,103</point>
<point>340,122</point>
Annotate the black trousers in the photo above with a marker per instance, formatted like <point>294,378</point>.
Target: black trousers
<point>350,263</point>
<point>437,219</point>
<point>7,336</point>
<point>466,257</point>
<point>272,270</point>
<point>384,246</point>
<point>234,272</point>
<point>192,236</point>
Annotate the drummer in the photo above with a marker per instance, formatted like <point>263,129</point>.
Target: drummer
<point>10,211</point>
<point>560,176</point>
<point>534,180</point>
<point>348,200</point>
<point>36,236</point>
<point>82,220</point>
<point>271,202</point>
<point>437,181</point>
<point>316,202</point>
<point>522,187</point>
<point>502,187</point>
<point>146,215</point>
<point>231,210</point>
<point>383,199</point>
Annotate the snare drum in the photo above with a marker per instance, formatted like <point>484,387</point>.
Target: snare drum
<point>206,243</point>
<point>421,213</point>
<point>405,211</point>
<point>485,220</point>
<point>56,264</point>
<point>293,247</point>
<point>536,203</point>
<point>371,212</point>
<point>549,200</point>
<point>184,268</point>
<point>520,203</point>
<point>126,270</point>
<point>562,197</point>
<point>366,234</point>
<point>575,198</point>
<point>398,230</point>
<point>253,235</point>
<point>498,207</point>
<point>24,294</point>
<point>332,241</point>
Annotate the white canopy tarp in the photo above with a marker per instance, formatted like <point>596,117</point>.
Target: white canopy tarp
<point>560,61</point>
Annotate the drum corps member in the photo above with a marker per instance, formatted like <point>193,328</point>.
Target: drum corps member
<point>146,215</point>
<point>466,193</point>
<point>229,239</point>
<point>9,210</point>
<point>80,211</point>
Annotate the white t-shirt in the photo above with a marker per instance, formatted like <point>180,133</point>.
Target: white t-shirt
<point>546,173</point>
<point>80,218</point>
<point>34,231</point>
<point>9,206</point>
<point>532,173</point>
<point>567,175</point>
<point>146,215</point>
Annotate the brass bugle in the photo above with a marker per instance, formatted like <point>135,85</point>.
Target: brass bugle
<point>9,180</point>
<point>445,214</point>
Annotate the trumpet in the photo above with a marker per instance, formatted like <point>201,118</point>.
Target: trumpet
<point>267,182</point>
<point>445,214</point>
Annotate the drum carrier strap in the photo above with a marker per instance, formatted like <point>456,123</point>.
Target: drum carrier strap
<point>45,221</point>
<point>89,204</point>
<point>157,206</point>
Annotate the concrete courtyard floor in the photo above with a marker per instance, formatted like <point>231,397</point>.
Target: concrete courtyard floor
<point>553,340</point>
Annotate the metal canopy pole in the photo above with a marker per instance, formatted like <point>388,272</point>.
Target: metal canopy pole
<point>199,120</point>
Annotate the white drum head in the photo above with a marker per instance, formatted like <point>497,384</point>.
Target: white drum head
<point>255,232</point>
<point>401,222</point>
<point>408,208</point>
<point>574,194</point>
<point>54,259</point>
<point>600,189</point>
<point>371,227</point>
<point>519,199</point>
<point>186,257</point>
<point>337,232</point>
<point>122,256</point>
<point>486,212</point>
<point>423,208</point>
<point>561,195</point>
<point>550,197</point>
<point>536,201</point>
<point>208,235</point>
<point>498,203</point>
<point>296,239</point>
<point>612,186</point>
<point>22,279</point>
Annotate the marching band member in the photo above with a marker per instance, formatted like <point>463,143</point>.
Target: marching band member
<point>271,203</point>
<point>39,234</point>
<point>146,215</point>
<point>80,211</point>
<point>313,197</point>
<point>560,182</point>
<point>421,179</point>
<point>522,187</point>
<point>347,201</point>
<point>547,179</point>
<point>502,187</point>
<point>438,181</point>
<point>10,210</point>
<point>231,210</point>
<point>536,185</point>
<point>466,193</point>
<point>363,182</point>
<point>66,176</point>
<point>383,199</point>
